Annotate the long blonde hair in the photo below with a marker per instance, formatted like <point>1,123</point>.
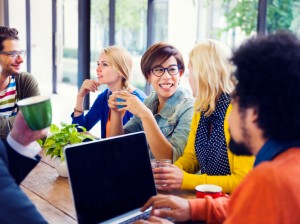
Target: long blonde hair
<point>121,61</point>
<point>211,71</point>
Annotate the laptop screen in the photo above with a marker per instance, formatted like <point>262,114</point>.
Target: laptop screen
<point>110,177</point>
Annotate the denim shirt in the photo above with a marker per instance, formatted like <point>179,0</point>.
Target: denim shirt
<point>174,119</point>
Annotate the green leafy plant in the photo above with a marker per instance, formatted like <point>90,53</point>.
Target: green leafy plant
<point>60,137</point>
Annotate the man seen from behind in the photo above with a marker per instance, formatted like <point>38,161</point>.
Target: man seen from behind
<point>265,122</point>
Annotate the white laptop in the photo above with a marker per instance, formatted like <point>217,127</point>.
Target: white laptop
<point>110,178</point>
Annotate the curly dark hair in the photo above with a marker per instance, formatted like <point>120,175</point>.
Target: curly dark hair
<point>268,79</point>
<point>7,33</point>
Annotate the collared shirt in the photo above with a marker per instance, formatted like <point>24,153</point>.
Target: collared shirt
<point>30,150</point>
<point>273,148</point>
<point>173,120</point>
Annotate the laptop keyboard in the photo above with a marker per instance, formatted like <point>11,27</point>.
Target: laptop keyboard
<point>144,215</point>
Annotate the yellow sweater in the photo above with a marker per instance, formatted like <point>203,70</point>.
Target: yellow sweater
<point>188,162</point>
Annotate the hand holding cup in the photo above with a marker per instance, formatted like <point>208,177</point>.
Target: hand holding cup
<point>37,112</point>
<point>23,134</point>
<point>167,176</point>
<point>157,163</point>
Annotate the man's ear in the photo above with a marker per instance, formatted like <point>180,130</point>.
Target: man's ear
<point>253,112</point>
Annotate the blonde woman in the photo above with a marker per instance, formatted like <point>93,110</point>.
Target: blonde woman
<point>114,68</point>
<point>207,150</point>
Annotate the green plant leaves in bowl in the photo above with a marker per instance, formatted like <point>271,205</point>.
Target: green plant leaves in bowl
<point>60,137</point>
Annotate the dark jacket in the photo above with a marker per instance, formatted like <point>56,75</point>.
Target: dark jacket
<point>15,207</point>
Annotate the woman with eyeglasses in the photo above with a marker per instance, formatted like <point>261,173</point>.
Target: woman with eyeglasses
<point>207,148</point>
<point>166,114</point>
<point>114,68</point>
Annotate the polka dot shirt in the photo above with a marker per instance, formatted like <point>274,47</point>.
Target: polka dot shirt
<point>211,150</point>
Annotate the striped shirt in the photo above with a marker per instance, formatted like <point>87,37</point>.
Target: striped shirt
<point>8,104</point>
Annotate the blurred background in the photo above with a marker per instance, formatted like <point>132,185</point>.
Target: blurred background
<point>63,38</point>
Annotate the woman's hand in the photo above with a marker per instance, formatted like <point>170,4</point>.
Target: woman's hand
<point>112,102</point>
<point>131,103</point>
<point>88,86</point>
<point>168,178</point>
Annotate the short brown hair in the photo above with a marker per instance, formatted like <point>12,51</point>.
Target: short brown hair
<point>7,33</point>
<point>160,51</point>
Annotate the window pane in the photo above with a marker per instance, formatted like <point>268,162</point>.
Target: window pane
<point>229,21</point>
<point>41,43</point>
<point>160,21</point>
<point>99,36</point>
<point>239,21</point>
<point>99,40</point>
<point>70,41</point>
<point>17,7</point>
<point>131,33</point>
<point>283,15</point>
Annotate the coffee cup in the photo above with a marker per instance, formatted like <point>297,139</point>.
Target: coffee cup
<point>37,111</point>
<point>120,100</point>
<point>209,190</point>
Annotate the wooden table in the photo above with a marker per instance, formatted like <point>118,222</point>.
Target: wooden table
<point>51,193</point>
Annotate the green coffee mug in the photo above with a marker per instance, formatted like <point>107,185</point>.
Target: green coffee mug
<point>37,111</point>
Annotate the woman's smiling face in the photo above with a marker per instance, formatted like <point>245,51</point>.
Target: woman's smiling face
<point>165,85</point>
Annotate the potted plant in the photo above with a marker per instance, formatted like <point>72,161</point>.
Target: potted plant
<point>58,139</point>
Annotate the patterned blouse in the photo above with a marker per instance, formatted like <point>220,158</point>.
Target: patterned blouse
<point>211,150</point>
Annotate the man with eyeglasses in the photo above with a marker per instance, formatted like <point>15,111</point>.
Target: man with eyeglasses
<point>14,84</point>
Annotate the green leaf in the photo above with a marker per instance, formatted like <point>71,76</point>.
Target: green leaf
<point>40,141</point>
<point>54,129</point>
<point>60,137</point>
